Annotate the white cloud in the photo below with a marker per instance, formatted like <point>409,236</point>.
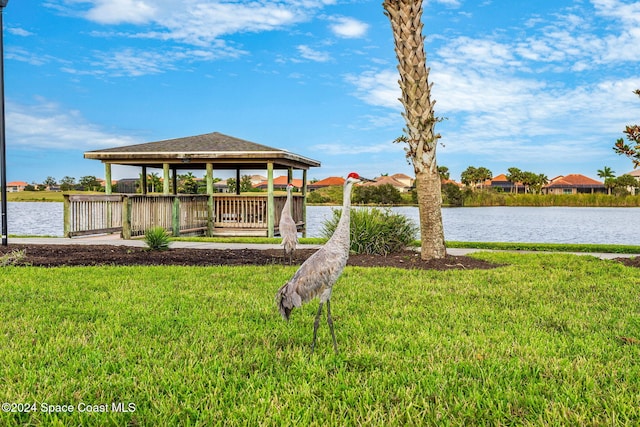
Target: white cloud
<point>378,88</point>
<point>23,55</point>
<point>348,27</point>
<point>513,117</point>
<point>483,53</point>
<point>338,149</point>
<point>628,13</point>
<point>19,32</point>
<point>571,39</point>
<point>139,62</point>
<point>199,22</point>
<point>203,24</point>
<point>121,11</point>
<point>313,55</point>
<point>450,3</point>
<point>46,125</point>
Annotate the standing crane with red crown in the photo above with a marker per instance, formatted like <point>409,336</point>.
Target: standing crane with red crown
<point>287,227</point>
<point>317,275</point>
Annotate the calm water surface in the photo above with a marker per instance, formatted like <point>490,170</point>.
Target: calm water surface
<point>35,218</point>
<point>522,224</point>
<point>486,224</point>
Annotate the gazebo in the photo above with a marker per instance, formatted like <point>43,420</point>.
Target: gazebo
<point>211,213</point>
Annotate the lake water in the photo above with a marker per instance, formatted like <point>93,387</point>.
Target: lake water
<point>484,224</point>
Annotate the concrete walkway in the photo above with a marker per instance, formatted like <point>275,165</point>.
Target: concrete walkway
<point>114,239</point>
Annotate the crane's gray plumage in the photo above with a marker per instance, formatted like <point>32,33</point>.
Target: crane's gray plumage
<point>287,227</point>
<point>317,275</point>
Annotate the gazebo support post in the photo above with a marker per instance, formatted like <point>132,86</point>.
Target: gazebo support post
<point>144,180</point>
<point>126,218</point>
<point>304,202</point>
<point>174,180</point>
<point>165,180</point>
<point>107,190</point>
<point>107,178</point>
<point>175,218</point>
<point>237,182</point>
<point>209,178</point>
<point>289,175</point>
<point>271,215</point>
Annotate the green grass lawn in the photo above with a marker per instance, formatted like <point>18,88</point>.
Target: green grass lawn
<point>544,340</point>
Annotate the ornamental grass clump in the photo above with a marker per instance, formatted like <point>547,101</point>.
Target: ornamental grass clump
<point>156,239</point>
<point>12,258</point>
<point>375,231</point>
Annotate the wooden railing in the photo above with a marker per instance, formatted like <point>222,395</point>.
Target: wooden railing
<point>240,212</point>
<point>92,214</point>
<point>178,214</point>
<point>132,215</point>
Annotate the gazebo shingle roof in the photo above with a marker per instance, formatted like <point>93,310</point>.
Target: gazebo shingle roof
<point>222,150</point>
<point>209,142</point>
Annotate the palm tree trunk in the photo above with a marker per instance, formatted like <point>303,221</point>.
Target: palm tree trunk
<point>421,139</point>
<point>428,188</point>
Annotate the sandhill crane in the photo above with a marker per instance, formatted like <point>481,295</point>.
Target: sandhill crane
<point>288,229</point>
<point>317,275</point>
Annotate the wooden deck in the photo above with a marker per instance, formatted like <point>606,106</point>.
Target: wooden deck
<point>210,215</point>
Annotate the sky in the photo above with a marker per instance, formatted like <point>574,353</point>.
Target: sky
<point>545,86</point>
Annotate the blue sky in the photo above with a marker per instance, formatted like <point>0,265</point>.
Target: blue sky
<point>545,86</point>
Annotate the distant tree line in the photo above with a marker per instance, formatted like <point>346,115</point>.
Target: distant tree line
<point>67,183</point>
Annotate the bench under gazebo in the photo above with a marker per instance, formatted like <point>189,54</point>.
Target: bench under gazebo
<point>211,214</point>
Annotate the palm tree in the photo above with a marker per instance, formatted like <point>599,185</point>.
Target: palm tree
<point>483,175</point>
<point>607,175</point>
<point>514,175</point>
<point>443,171</point>
<point>633,135</point>
<point>420,136</point>
<point>154,181</point>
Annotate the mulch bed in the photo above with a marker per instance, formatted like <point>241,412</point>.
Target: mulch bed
<point>87,255</point>
<point>630,262</point>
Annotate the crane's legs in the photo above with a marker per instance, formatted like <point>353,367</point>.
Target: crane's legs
<point>316,324</point>
<point>330,323</point>
<point>290,256</point>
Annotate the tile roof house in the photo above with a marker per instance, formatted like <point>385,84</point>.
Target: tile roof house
<point>634,173</point>
<point>327,182</point>
<point>451,181</point>
<point>573,184</point>
<point>404,179</point>
<point>502,183</point>
<point>279,183</point>
<point>389,180</point>
<point>15,186</point>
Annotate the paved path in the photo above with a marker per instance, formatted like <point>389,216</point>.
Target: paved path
<point>114,239</point>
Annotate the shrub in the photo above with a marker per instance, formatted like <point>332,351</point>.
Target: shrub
<point>156,239</point>
<point>12,258</point>
<point>375,231</point>
<point>385,194</point>
<point>317,197</point>
<point>452,195</point>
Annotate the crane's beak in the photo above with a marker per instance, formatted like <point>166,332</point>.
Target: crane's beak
<point>366,179</point>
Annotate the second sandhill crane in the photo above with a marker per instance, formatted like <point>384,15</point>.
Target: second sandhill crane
<point>317,275</point>
<point>288,229</point>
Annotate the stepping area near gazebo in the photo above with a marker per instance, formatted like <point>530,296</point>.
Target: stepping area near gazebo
<point>211,214</point>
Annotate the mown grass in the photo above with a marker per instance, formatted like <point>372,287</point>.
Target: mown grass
<point>510,246</point>
<point>546,247</point>
<point>256,240</point>
<point>492,198</point>
<point>42,196</point>
<point>544,340</point>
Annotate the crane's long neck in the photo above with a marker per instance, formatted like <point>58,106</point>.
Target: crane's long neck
<point>287,204</point>
<point>341,233</point>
